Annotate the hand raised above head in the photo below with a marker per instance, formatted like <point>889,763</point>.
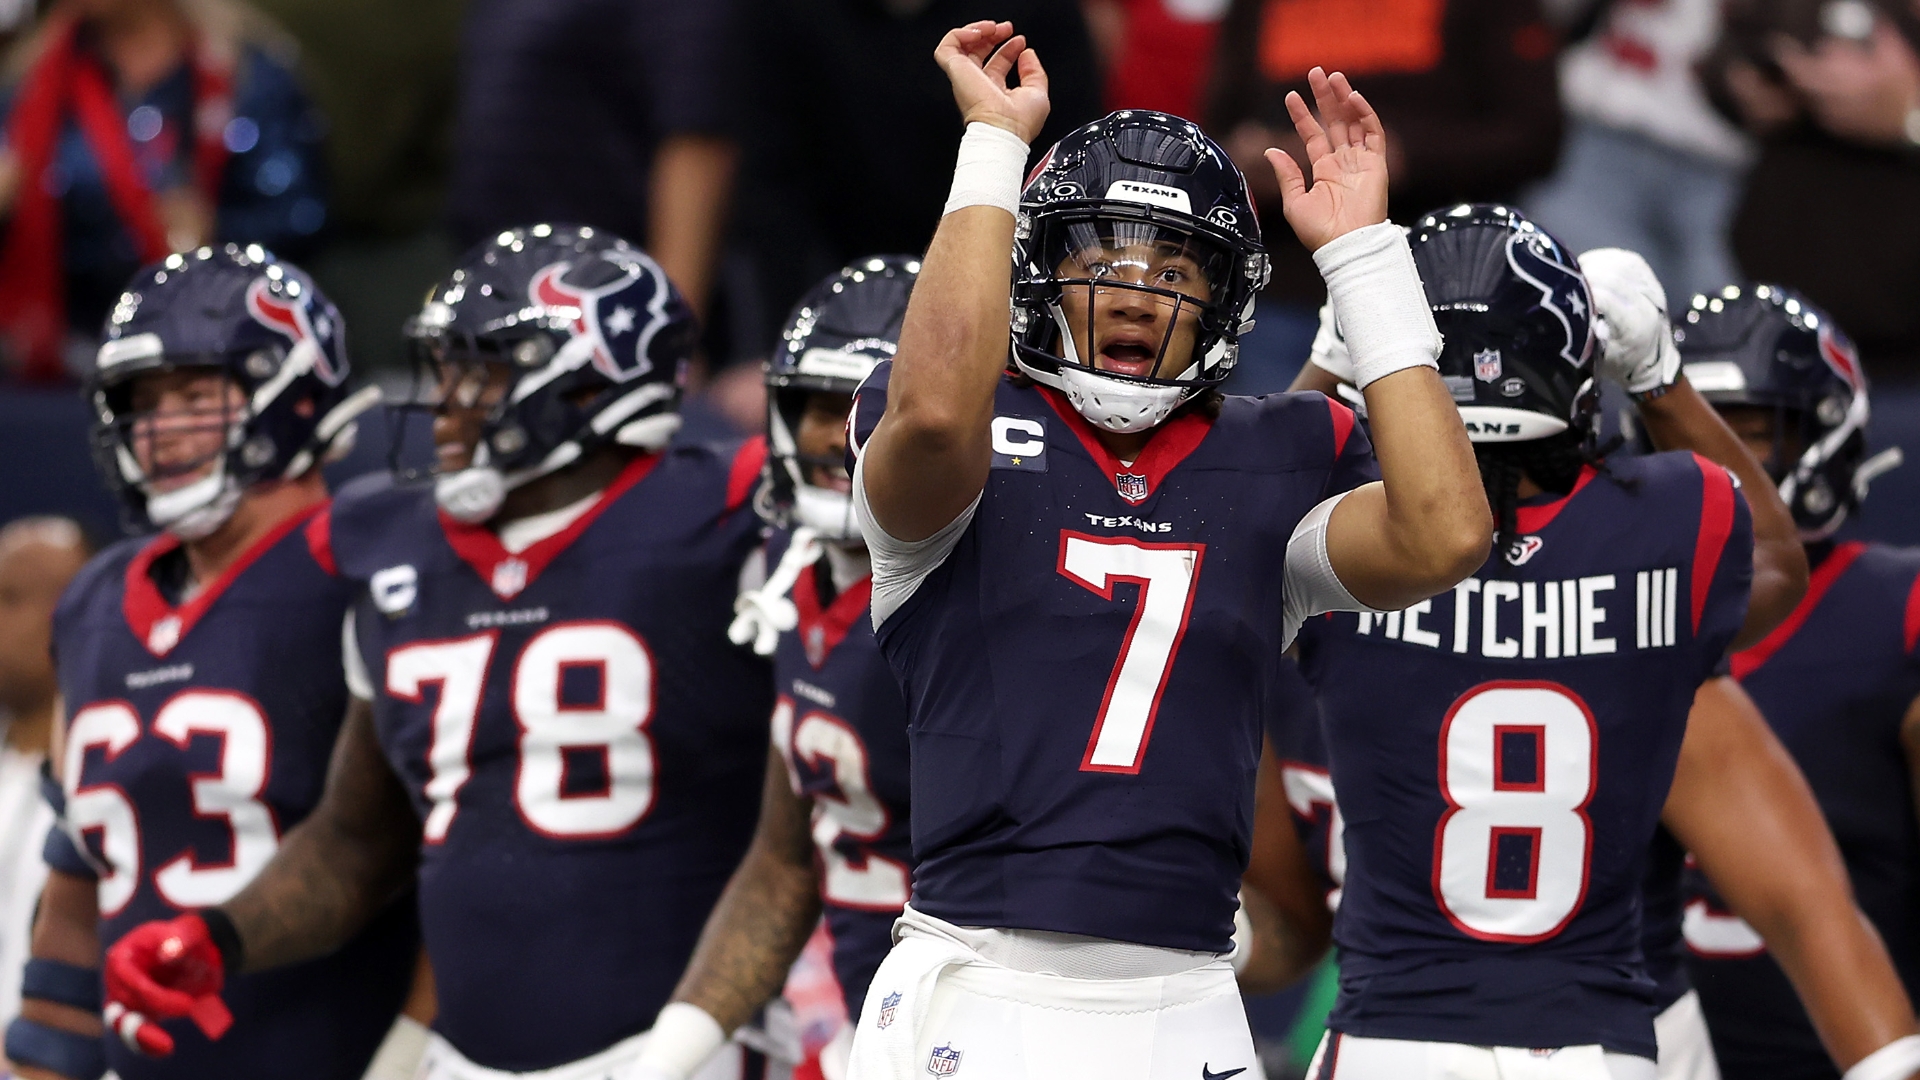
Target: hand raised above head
<point>1347,154</point>
<point>978,58</point>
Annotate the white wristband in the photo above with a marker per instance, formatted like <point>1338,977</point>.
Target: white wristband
<point>1897,1060</point>
<point>993,161</point>
<point>684,1036</point>
<point>1384,316</point>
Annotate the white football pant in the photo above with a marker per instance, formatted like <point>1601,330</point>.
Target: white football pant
<point>1345,1057</point>
<point>1686,1052</point>
<point>938,1008</point>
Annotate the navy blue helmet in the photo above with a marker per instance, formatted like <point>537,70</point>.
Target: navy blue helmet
<point>1131,180</point>
<point>1517,318</point>
<point>593,335</point>
<point>1768,347</point>
<point>842,329</point>
<point>280,342</point>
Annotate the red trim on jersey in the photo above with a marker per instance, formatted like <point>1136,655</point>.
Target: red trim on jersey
<point>1168,446</point>
<point>835,621</point>
<point>480,548</point>
<point>747,463</point>
<point>320,539</point>
<point>1531,519</point>
<point>1342,426</point>
<point>144,606</point>
<point>1911,631</point>
<point>1747,660</point>
<point>1716,524</point>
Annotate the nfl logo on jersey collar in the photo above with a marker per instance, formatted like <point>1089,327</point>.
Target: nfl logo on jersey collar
<point>1135,481</point>
<point>888,1006</point>
<point>944,1061</point>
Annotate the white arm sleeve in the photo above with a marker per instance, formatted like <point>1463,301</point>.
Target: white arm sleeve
<point>1373,284</point>
<point>899,566</point>
<point>359,683</point>
<point>1310,586</point>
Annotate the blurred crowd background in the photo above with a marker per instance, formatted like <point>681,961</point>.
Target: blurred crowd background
<point>754,145</point>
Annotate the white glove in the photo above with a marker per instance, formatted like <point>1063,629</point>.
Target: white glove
<point>400,1052</point>
<point>1330,346</point>
<point>1637,350</point>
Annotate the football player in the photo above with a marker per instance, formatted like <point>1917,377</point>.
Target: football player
<point>833,814</point>
<point>199,671</point>
<point>1085,570</point>
<point>1839,681</point>
<point>1502,788</point>
<point>548,718</point>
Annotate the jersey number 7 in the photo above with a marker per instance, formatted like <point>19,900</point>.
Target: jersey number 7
<point>1168,575</point>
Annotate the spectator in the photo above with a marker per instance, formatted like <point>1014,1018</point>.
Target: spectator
<point>384,75</point>
<point>136,128</point>
<point>1158,54</point>
<point>38,556</point>
<point>614,113</point>
<point>1466,89</point>
<point>1832,206</point>
<point>1649,164</point>
<point>849,146</point>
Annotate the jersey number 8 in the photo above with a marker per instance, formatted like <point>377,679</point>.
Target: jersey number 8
<point>613,728</point>
<point>1518,765</point>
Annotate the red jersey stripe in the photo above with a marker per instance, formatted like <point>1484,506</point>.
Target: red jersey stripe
<point>1716,524</point>
<point>1746,661</point>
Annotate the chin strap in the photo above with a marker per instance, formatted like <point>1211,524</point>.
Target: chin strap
<point>763,614</point>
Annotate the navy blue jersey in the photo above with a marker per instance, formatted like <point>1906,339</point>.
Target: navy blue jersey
<point>197,735</point>
<point>1835,681</point>
<point>584,746</point>
<point>841,725</point>
<point>1503,752</point>
<point>1293,730</point>
<point>1088,669</point>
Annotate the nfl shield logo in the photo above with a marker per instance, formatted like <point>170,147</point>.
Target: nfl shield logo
<point>1486,365</point>
<point>1132,486</point>
<point>887,1006</point>
<point>509,577</point>
<point>945,1061</point>
<point>815,640</point>
<point>164,635</point>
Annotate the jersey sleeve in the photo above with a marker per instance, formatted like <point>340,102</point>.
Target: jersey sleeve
<point>1721,578</point>
<point>1310,587</point>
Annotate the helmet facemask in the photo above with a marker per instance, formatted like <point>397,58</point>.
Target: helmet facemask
<point>1119,313</point>
<point>141,442</point>
<point>812,490</point>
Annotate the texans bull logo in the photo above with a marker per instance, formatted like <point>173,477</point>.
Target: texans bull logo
<point>1563,291</point>
<point>609,316</point>
<point>290,317</point>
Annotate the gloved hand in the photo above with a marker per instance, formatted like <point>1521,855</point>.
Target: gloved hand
<point>1637,350</point>
<point>163,970</point>
<point>1330,347</point>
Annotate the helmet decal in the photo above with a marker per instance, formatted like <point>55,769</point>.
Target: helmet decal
<point>1562,289</point>
<point>619,338</point>
<point>288,316</point>
<point>1841,357</point>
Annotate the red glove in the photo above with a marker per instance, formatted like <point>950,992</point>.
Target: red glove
<point>164,970</point>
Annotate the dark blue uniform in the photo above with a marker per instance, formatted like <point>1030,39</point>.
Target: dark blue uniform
<point>1503,752</point>
<point>1293,729</point>
<point>197,735</point>
<point>1835,682</point>
<point>584,746</point>
<point>1088,669</point>
<point>841,725</point>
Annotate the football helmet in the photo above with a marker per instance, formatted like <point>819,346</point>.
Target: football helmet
<point>594,340</point>
<point>265,326</point>
<point>1766,346</point>
<point>1518,321</point>
<point>844,327</point>
<point>1134,181</point>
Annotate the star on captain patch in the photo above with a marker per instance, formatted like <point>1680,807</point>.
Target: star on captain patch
<point>621,321</point>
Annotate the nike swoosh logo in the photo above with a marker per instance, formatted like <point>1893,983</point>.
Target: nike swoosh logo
<point>1209,1074</point>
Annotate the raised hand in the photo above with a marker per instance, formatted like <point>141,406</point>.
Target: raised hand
<point>1348,156</point>
<point>978,58</point>
<point>163,970</point>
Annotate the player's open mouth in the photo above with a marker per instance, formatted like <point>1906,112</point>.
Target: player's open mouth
<point>1127,358</point>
